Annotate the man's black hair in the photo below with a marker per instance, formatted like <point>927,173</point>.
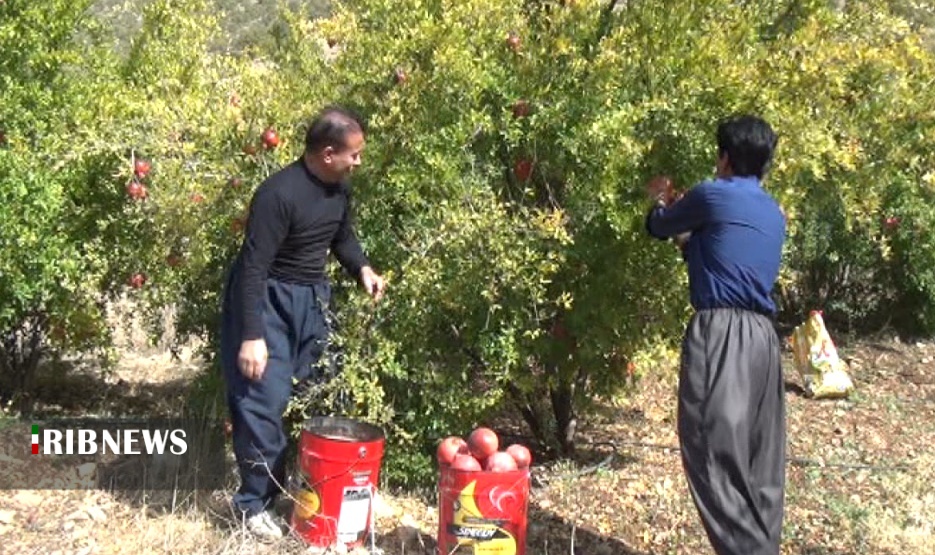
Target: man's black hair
<point>331,127</point>
<point>749,143</point>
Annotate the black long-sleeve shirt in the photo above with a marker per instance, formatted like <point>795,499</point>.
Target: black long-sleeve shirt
<point>294,219</point>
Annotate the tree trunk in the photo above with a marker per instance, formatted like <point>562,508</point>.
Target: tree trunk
<point>562,397</point>
<point>20,353</point>
<point>529,413</point>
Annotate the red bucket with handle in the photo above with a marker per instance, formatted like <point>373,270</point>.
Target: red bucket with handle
<point>338,471</point>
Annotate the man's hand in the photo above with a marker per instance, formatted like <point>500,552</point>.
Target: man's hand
<point>661,190</point>
<point>682,239</point>
<point>252,358</point>
<point>373,282</point>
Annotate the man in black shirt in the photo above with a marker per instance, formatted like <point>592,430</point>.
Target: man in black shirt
<point>273,317</point>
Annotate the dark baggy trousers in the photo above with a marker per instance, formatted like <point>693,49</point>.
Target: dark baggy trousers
<point>296,332</point>
<point>731,423</point>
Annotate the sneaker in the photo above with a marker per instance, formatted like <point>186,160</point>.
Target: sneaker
<point>265,526</point>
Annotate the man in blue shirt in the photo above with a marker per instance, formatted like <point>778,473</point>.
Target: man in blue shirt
<point>731,411</point>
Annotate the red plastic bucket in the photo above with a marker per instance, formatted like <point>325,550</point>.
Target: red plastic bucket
<point>482,513</point>
<point>338,471</point>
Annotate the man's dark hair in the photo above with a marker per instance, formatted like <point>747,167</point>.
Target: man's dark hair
<point>749,143</point>
<point>331,127</point>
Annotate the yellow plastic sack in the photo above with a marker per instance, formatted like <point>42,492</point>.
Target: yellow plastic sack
<point>822,370</point>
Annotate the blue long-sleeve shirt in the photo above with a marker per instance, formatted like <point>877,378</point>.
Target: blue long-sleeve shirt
<point>733,253</point>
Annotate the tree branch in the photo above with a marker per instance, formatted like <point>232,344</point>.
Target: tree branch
<point>603,28</point>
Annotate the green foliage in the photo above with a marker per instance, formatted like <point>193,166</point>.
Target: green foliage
<point>545,289</point>
<point>49,276</point>
<point>911,255</point>
<point>865,155</point>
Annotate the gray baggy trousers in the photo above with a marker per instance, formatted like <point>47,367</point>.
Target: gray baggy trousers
<point>732,430</point>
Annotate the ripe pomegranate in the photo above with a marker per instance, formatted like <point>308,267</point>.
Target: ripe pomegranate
<point>513,41</point>
<point>521,108</point>
<point>400,76</point>
<point>270,138</point>
<point>520,454</point>
<point>141,168</point>
<point>522,170</point>
<point>137,280</point>
<point>466,463</point>
<point>661,187</point>
<point>136,190</point>
<point>483,442</point>
<point>501,461</point>
<point>174,260</point>
<point>449,448</point>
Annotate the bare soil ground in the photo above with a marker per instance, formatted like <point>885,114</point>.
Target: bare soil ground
<point>861,475</point>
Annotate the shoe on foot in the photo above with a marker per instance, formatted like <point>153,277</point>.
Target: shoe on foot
<point>264,525</point>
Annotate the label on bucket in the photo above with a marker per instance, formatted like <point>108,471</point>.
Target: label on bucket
<point>355,512</point>
<point>482,513</point>
<point>471,527</point>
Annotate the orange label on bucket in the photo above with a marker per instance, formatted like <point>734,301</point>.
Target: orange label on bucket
<point>307,503</point>
<point>469,525</point>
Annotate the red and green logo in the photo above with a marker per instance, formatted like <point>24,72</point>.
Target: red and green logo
<point>35,439</point>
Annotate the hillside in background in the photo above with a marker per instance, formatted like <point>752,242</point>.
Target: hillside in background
<point>244,22</point>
